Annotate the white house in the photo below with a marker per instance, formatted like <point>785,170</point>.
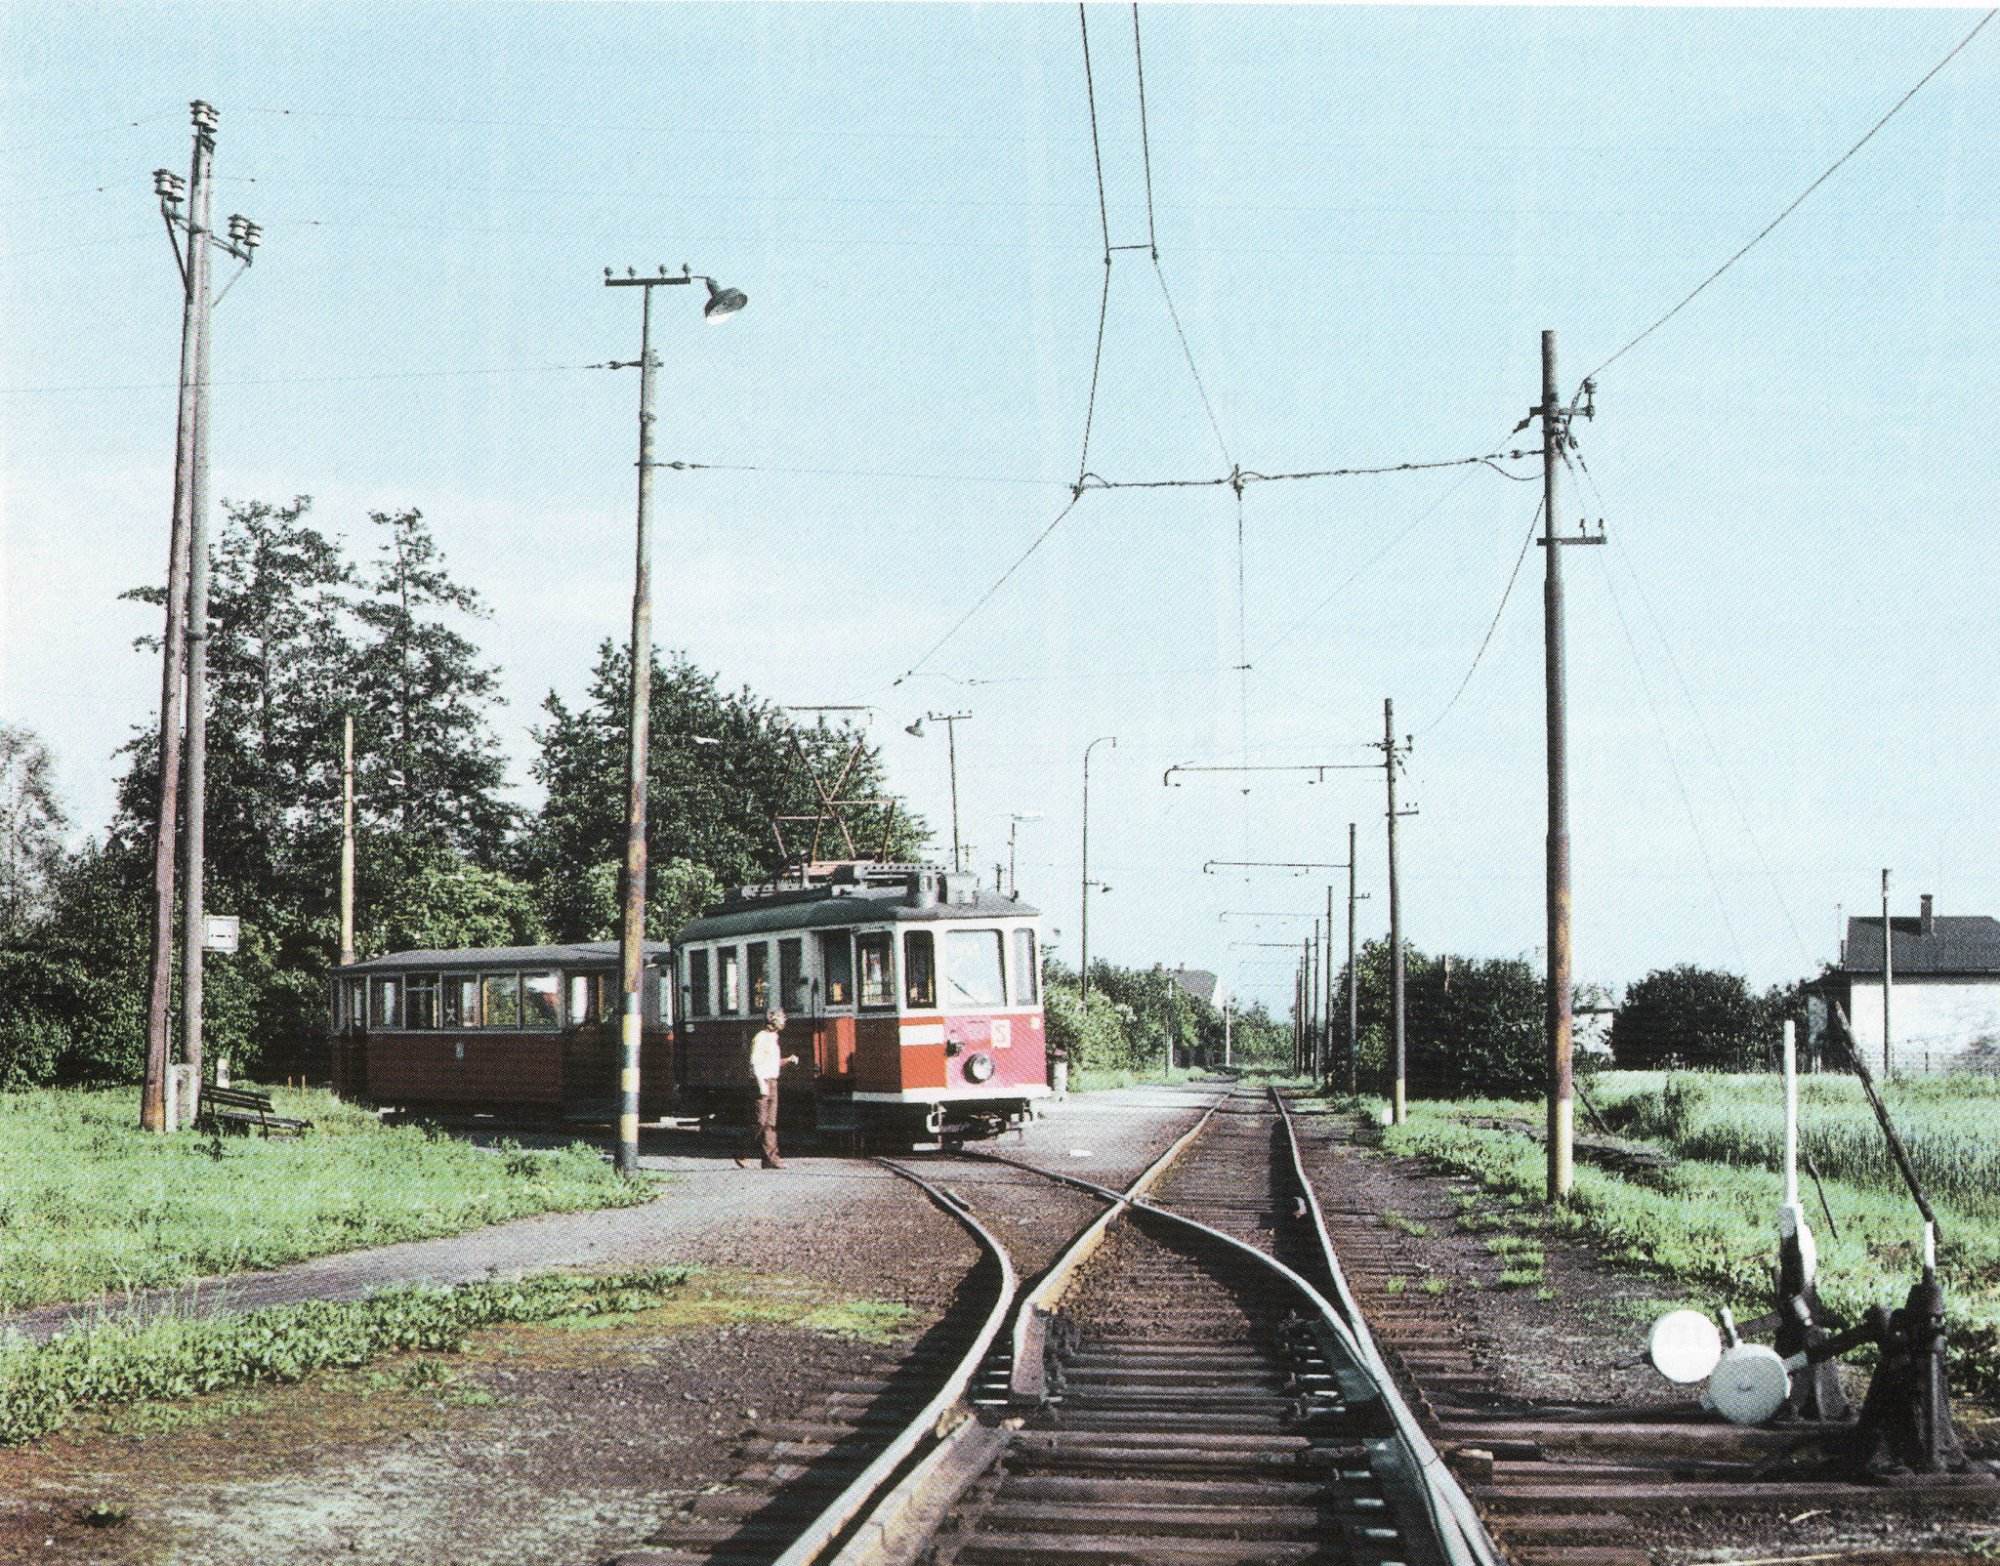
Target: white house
<point>1944,990</point>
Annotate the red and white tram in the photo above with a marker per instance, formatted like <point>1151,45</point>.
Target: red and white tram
<point>914,998</point>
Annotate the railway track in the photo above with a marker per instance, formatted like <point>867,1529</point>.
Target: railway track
<point>1218,1372</point>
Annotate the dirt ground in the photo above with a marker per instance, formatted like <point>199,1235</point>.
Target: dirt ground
<point>1572,1337</point>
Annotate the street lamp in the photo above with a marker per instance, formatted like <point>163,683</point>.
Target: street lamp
<point>1013,825</point>
<point>722,302</point>
<point>951,721</point>
<point>1084,972</point>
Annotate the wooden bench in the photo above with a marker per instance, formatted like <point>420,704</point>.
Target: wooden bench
<point>239,1109</point>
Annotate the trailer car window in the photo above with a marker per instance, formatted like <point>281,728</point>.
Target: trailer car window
<point>1027,971</point>
<point>760,977</point>
<point>919,969</point>
<point>458,1001</point>
<point>698,983</point>
<point>836,961</point>
<point>500,1000</point>
<point>541,1000</point>
<point>876,955</point>
<point>387,1012</point>
<point>421,1002</point>
<point>972,967</point>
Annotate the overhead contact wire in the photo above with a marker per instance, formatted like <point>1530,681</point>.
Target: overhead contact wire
<point>1492,626</point>
<point>1800,199</point>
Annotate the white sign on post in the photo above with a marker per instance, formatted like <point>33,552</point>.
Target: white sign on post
<point>220,932</point>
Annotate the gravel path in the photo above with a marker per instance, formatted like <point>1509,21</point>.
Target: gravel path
<point>711,1211</point>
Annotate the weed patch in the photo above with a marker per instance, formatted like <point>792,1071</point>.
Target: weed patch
<point>42,1385</point>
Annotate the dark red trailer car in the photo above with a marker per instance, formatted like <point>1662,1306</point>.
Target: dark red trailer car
<point>530,1031</point>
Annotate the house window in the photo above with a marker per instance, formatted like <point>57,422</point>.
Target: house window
<point>422,1000</point>
<point>972,968</point>
<point>729,980</point>
<point>500,1000</point>
<point>387,1011</point>
<point>458,1001</point>
<point>792,994</point>
<point>541,1000</point>
<point>919,970</point>
<point>1026,970</point>
<point>698,983</point>
<point>836,961</point>
<point>875,954</point>
<point>760,977</point>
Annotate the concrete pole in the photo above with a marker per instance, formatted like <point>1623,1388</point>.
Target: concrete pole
<point>173,660</point>
<point>951,750</point>
<point>1561,1115</point>
<point>1353,997</point>
<point>1398,1099</point>
<point>1888,981</point>
<point>347,840</point>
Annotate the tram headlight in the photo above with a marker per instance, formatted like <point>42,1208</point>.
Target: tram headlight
<point>979,1067</point>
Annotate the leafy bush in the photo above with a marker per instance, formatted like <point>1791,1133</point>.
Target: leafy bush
<point>1689,1016</point>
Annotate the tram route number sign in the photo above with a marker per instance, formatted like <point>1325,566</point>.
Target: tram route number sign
<point>221,932</point>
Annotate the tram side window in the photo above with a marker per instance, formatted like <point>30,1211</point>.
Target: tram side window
<point>760,977</point>
<point>836,961</point>
<point>792,993</point>
<point>729,979</point>
<point>458,1001</point>
<point>875,954</point>
<point>421,1003</point>
<point>387,1011</point>
<point>1027,970</point>
<point>541,1000</point>
<point>972,968</point>
<point>919,969</point>
<point>357,1003</point>
<point>500,1000</point>
<point>582,999</point>
<point>698,983</point>
<point>661,1011</point>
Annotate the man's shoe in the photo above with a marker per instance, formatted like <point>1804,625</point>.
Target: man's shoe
<point>742,1162</point>
<point>774,1163</point>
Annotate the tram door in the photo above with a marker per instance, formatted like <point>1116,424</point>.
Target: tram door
<point>834,988</point>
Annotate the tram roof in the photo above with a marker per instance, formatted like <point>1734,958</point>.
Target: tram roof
<point>564,954</point>
<point>870,905</point>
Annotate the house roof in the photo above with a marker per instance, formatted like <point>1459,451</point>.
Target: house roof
<point>1198,982</point>
<point>568,954</point>
<point>1964,943</point>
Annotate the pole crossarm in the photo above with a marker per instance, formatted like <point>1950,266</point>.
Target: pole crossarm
<point>1210,866</point>
<point>1319,768</point>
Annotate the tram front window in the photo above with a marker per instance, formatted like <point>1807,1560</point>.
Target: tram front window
<point>919,970</point>
<point>972,968</point>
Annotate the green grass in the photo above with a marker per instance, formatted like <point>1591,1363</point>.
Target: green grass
<point>1088,1079</point>
<point>90,1204</point>
<point>1710,1228</point>
<point>42,1385</point>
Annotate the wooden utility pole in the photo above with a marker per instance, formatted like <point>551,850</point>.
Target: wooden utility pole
<point>1561,1108</point>
<point>1398,1100</point>
<point>194,844</point>
<point>1312,1001</point>
<point>347,841</point>
<point>173,659</point>
<point>1325,1064</point>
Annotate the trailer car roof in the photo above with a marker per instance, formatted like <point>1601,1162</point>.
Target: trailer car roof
<point>566,954</point>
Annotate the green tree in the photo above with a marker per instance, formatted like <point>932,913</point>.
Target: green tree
<point>32,825</point>
<point>1689,1016</point>
<point>1471,1024</point>
<point>431,766</point>
<point>721,767</point>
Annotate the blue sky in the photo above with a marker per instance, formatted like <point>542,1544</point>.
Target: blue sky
<point>1780,670</point>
